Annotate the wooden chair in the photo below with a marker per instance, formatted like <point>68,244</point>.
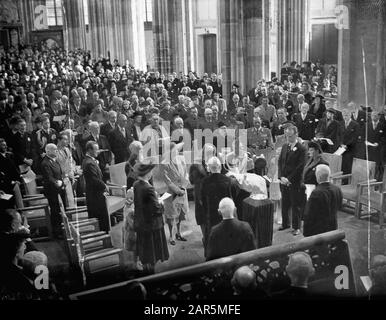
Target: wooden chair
<point>36,220</point>
<point>373,199</point>
<point>118,179</point>
<point>362,172</point>
<point>335,163</point>
<point>114,203</point>
<point>94,254</point>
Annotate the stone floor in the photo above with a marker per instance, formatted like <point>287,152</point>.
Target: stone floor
<point>365,240</point>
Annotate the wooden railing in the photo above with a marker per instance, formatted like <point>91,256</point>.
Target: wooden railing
<point>328,251</point>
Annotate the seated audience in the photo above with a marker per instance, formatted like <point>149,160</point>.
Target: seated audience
<point>299,269</point>
<point>245,286</point>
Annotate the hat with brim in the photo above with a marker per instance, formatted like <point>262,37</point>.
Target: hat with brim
<point>142,169</point>
<point>136,114</point>
<point>315,145</point>
<point>319,96</point>
<point>331,110</point>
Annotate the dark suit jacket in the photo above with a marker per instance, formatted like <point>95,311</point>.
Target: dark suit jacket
<point>120,144</point>
<point>8,172</point>
<point>230,237</point>
<point>291,163</point>
<point>196,174</point>
<point>321,209</point>
<point>95,187</point>
<point>52,173</point>
<point>104,157</point>
<point>318,113</point>
<point>214,188</point>
<point>350,135</point>
<point>306,127</point>
<point>331,131</point>
<point>376,135</point>
<point>22,147</point>
<point>148,211</point>
<point>106,129</point>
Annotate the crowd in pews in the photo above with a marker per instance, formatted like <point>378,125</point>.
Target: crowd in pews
<point>69,118</point>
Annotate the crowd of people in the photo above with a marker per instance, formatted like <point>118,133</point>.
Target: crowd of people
<point>69,117</point>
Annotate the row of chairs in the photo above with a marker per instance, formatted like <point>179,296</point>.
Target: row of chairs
<point>89,250</point>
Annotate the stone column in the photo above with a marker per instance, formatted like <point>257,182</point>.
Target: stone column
<point>244,43</point>
<point>74,25</point>
<point>380,74</point>
<point>26,8</point>
<point>231,45</point>
<point>344,55</point>
<point>172,35</point>
<point>293,31</point>
<point>116,27</point>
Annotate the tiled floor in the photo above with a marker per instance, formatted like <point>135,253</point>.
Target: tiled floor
<point>365,240</point>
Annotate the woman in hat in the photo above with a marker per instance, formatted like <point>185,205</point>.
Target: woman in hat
<point>148,219</point>
<point>174,172</point>
<point>314,159</point>
<point>318,108</point>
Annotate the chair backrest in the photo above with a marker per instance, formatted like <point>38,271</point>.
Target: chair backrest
<point>362,170</point>
<point>334,161</point>
<point>29,182</point>
<point>117,174</point>
<point>209,279</point>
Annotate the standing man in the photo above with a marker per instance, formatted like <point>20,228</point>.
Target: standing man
<point>95,187</point>
<point>54,185</point>
<point>104,157</point>
<point>376,140</point>
<point>322,207</point>
<point>350,134</point>
<point>110,124</point>
<point>120,140</point>
<point>291,164</point>
<point>214,188</point>
<point>305,122</point>
<point>231,236</point>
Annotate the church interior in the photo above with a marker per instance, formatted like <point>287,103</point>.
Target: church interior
<point>107,190</point>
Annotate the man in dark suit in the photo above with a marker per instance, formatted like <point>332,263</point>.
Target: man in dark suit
<point>299,269</point>
<point>95,187</point>
<point>192,122</point>
<point>54,186</point>
<point>361,117</point>
<point>105,156</point>
<point>291,164</point>
<point>350,135</point>
<point>214,188</point>
<point>305,122</point>
<point>22,145</point>
<point>376,141</point>
<point>322,207</point>
<point>9,174</point>
<point>120,140</point>
<point>110,125</point>
<point>231,236</point>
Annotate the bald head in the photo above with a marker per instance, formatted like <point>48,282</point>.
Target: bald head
<point>214,165</point>
<point>322,173</point>
<point>300,269</point>
<point>51,150</point>
<point>227,208</point>
<point>244,279</point>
